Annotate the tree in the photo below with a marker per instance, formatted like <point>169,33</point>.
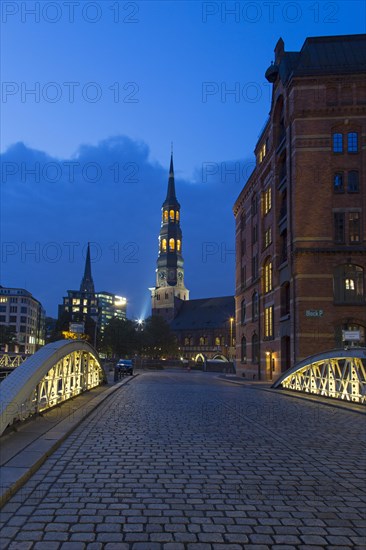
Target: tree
<point>158,340</point>
<point>120,338</point>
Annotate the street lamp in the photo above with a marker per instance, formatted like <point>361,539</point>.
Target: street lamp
<point>231,336</point>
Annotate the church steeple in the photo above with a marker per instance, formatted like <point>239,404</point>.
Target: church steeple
<point>87,283</point>
<point>170,271</point>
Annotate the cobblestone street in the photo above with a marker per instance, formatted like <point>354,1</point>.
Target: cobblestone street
<point>186,461</point>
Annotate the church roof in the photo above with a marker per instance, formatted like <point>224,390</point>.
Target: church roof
<point>204,313</point>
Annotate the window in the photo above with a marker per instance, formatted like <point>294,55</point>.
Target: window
<point>158,297</point>
<point>217,341</point>
<point>23,319</point>
<point>268,322</point>
<point>2,309</point>
<point>338,183</point>
<point>254,233</point>
<point>353,186</point>
<point>267,237</point>
<point>203,340</point>
<point>2,319</point>
<point>13,300</point>
<point>267,201</point>
<point>354,227</point>
<point>13,309</point>
<point>262,152</point>
<point>177,216</point>
<point>186,341</point>
<point>255,267</point>
<point>163,245</point>
<point>268,277</point>
<point>171,244</point>
<point>255,348</point>
<point>339,228</point>
<point>284,246</point>
<point>171,215</point>
<point>352,142</point>
<point>337,143</point>
<point>255,306</point>
<point>285,299</point>
<point>178,245</point>
<point>243,350</point>
<point>242,312</point>
<point>243,277</point>
<point>242,220</point>
<point>349,284</point>
<point>254,205</point>
<point>165,216</point>
<point>22,328</point>
<point>166,296</point>
<point>12,319</point>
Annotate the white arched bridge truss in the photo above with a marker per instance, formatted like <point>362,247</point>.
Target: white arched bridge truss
<point>57,372</point>
<point>340,374</point>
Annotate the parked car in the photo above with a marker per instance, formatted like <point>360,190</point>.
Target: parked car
<point>125,366</point>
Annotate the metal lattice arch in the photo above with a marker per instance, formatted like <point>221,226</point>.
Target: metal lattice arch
<point>340,374</point>
<point>57,372</point>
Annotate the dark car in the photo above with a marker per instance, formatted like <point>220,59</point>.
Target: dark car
<point>125,366</point>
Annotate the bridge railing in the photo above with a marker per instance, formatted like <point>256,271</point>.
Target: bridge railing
<point>57,372</point>
<point>339,374</point>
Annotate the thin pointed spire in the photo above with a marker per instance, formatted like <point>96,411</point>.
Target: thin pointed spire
<point>171,198</point>
<point>87,284</point>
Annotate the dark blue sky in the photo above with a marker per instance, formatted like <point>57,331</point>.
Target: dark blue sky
<point>113,84</point>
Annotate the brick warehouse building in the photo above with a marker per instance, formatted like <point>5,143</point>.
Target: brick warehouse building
<point>300,218</point>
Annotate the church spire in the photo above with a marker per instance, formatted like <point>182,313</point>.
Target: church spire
<point>171,198</point>
<point>87,284</point>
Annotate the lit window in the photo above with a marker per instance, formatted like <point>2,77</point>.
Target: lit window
<point>163,245</point>
<point>338,183</point>
<point>337,143</point>
<point>268,322</point>
<point>171,244</point>
<point>352,142</point>
<point>172,215</point>
<point>178,245</point>
<point>177,216</point>
<point>268,283</point>
<point>76,302</point>
<point>267,200</point>
<point>217,341</point>
<point>349,284</point>
<point>165,216</point>
<point>354,227</point>
<point>267,237</point>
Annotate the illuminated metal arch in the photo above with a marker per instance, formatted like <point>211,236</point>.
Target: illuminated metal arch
<point>340,374</point>
<point>57,372</point>
<point>220,357</point>
<point>200,357</point>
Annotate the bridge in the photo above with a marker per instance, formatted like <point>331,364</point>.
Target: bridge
<point>338,374</point>
<point>57,372</point>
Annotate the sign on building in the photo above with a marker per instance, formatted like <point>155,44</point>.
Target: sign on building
<point>314,313</point>
<point>351,335</point>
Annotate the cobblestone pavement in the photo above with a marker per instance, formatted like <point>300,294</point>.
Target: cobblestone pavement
<point>184,461</point>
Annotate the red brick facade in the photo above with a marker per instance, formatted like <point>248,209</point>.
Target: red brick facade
<point>301,217</point>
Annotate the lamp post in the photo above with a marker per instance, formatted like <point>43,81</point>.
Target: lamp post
<point>231,336</point>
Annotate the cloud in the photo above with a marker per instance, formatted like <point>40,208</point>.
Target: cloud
<point>111,194</point>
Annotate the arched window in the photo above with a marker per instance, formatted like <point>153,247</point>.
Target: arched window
<point>242,312</point>
<point>171,215</point>
<point>186,341</point>
<point>165,216</point>
<point>243,350</point>
<point>203,340</point>
<point>338,183</point>
<point>267,277</point>
<point>163,245</point>
<point>337,143</point>
<point>352,142</point>
<point>349,284</point>
<point>255,306</point>
<point>178,245</point>
<point>255,348</point>
<point>171,244</point>
<point>217,341</point>
<point>177,215</point>
<point>353,184</point>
